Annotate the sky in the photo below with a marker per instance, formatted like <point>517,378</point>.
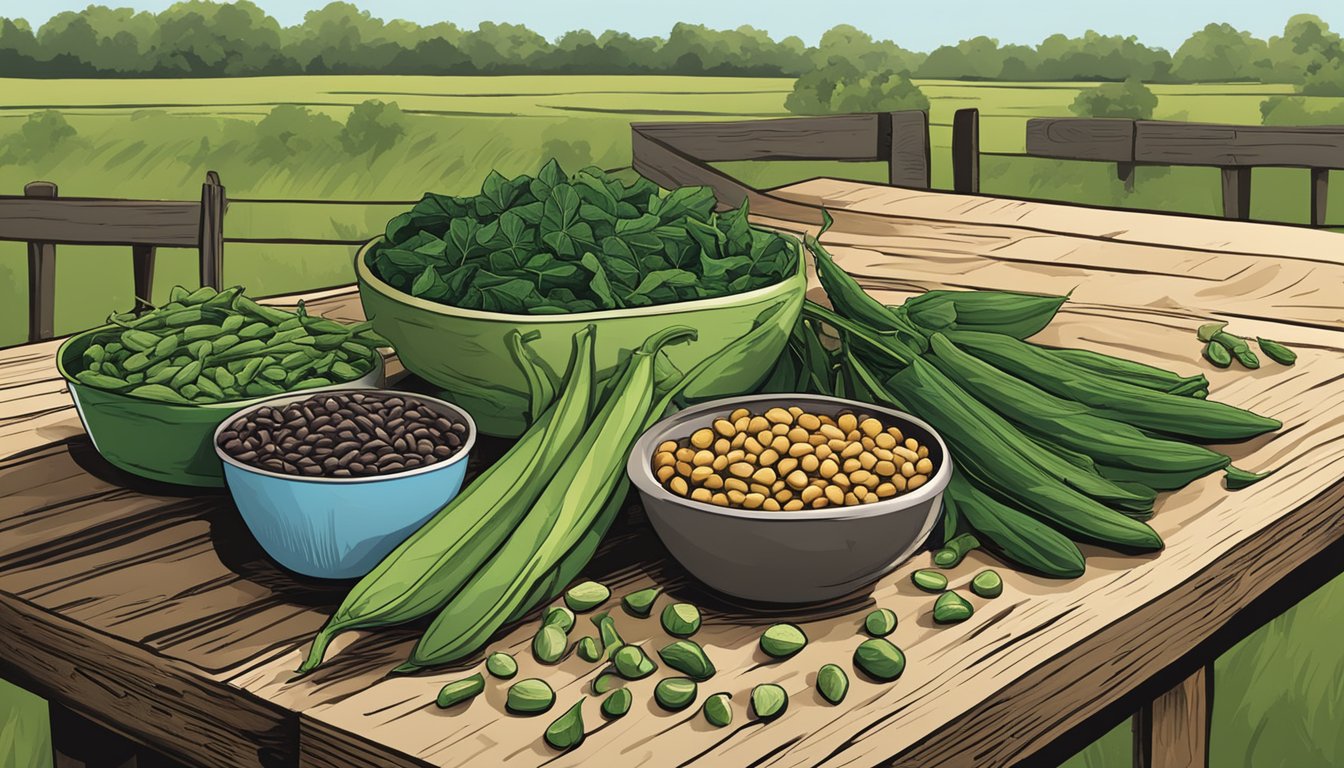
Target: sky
<point>917,25</point>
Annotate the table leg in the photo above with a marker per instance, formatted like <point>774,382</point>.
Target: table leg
<point>1173,730</point>
<point>79,743</point>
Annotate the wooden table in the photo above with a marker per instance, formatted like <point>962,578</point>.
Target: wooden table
<point>149,609</point>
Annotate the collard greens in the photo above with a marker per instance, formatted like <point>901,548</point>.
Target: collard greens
<point>556,244</point>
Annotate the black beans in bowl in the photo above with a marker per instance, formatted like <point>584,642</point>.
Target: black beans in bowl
<point>345,435</point>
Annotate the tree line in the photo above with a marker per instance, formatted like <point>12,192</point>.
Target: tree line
<point>208,39</point>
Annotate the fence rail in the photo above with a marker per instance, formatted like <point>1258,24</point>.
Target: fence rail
<point>1234,149</point>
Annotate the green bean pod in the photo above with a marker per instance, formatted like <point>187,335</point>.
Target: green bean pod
<point>426,570</point>
<point>1014,535</point>
<point>1129,371</point>
<point>1073,426</point>
<point>1020,315</point>
<point>1143,408</point>
<point>988,447</point>
<point>566,509</point>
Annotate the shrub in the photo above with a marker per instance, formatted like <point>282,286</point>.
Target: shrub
<point>840,87</point>
<point>374,127</point>
<point>1296,110</point>
<point>42,133</point>
<point>1128,99</point>
<point>290,130</point>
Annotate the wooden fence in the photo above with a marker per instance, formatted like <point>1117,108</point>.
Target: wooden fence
<point>680,153</point>
<point>1233,149</point>
<point>44,220</point>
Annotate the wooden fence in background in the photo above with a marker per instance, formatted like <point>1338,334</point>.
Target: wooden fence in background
<point>1233,149</point>
<point>680,153</point>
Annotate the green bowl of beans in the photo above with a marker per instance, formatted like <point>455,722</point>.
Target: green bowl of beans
<point>151,387</point>
<point>168,442</point>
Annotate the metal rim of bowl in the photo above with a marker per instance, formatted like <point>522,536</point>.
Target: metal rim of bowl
<point>365,276</point>
<point>641,475</point>
<point>287,398</point>
<point>379,368</point>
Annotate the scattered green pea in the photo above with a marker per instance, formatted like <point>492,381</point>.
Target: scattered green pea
<point>604,682</point>
<point>955,550</point>
<point>880,623</point>
<point>781,641</point>
<point>769,701</point>
<point>674,693</point>
<point>529,697</point>
<point>606,627</point>
<point>559,616</point>
<point>459,691</point>
<point>549,644</point>
<point>586,596</point>
<point>588,649</point>
<point>640,604</point>
<point>688,658</point>
<point>681,619</point>
<point>987,584</point>
<point>1276,351</point>
<point>567,730</point>
<point>879,659</point>
<point>632,663</point>
<point>718,710</point>
<point>951,608</point>
<point>617,704</point>
<point>929,580</point>
<point>1217,354</point>
<point>501,665</point>
<point>832,683</point>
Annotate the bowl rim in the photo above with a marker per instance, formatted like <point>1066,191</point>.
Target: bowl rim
<point>641,474</point>
<point>378,371</point>
<point>364,276</point>
<point>289,397</point>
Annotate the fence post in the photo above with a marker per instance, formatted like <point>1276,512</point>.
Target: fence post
<point>1237,193</point>
<point>1125,172</point>
<point>142,269</point>
<point>903,141</point>
<point>41,276</point>
<point>1320,182</point>
<point>212,231</point>
<point>966,151</point>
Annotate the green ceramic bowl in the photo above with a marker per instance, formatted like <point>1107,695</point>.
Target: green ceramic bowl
<point>167,442</point>
<point>465,352</point>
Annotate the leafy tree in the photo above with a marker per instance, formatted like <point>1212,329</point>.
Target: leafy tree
<point>1296,110</point>
<point>290,130</point>
<point>840,87</point>
<point>373,127</point>
<point>1128,99</point>
<point>1305,55</point>
<point>1221,52</point>
<point>850,44</point>
<point>976,59</point>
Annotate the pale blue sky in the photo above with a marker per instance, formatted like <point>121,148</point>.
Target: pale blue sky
<point>921,24</point>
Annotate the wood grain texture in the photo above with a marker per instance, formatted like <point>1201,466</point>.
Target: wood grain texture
<point>100,222</point>
<point>1081,138</point>
<point>903,142</point>
<point>834,137</point>
<point>142,271</point>
<point>1173,730</point>
<point>147,572</point>
<point>1179,143</point>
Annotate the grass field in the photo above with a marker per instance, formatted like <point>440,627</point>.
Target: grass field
<point>1278,702</point>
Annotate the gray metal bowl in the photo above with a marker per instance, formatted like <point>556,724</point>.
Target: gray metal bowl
<point>789,557</point>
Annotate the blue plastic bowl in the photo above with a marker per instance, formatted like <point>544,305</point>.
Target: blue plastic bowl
<point>341,527</point>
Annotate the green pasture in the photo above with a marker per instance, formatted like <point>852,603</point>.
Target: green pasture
<point>1278,700</point>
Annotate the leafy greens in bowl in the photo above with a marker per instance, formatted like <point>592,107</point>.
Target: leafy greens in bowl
<point>560,244</point>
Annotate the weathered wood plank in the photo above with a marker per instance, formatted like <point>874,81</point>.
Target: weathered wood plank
<point>211,231</point>
<point>834,137</point>
<point>41,273</point>
<point>100,222</point>
<point>1173,143</point>
<point>904,143</point>
<point>142,268</point>
<point>966,151</point>
<point>1081,138</point>
<point>1173,730</point>
<point>1236,193</point>
<point>1320,186</point>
